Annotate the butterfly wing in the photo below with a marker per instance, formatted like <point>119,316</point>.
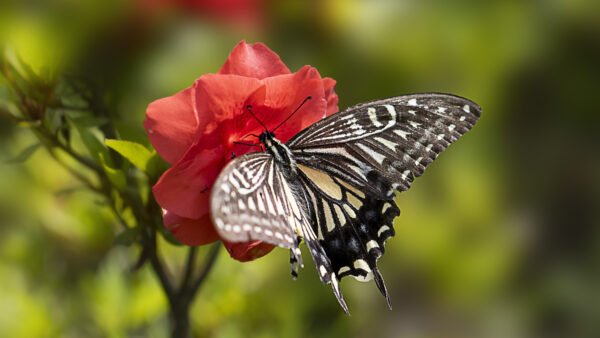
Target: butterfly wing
<point>253,200</point>
<point>352,162</point>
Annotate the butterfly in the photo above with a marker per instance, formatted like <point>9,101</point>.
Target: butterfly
<point>333,184</point>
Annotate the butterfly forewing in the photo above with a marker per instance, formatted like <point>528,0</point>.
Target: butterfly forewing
<point>383,143</point>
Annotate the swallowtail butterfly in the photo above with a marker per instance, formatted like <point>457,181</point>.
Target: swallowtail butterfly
<point>333,184</point>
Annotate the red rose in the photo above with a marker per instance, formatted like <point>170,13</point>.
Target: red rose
<point>194,131</point>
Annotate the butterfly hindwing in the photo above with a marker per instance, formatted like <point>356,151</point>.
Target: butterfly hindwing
<point>253,200</point>
<point>351,226</point>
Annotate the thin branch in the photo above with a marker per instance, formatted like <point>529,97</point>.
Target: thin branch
<point>208,265</point>
<point>189,268</point>
<point>150,243</point>
<point>72,171</point>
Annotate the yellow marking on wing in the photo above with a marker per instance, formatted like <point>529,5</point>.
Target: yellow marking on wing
<point>323,181</point>
<point>350,211</point>
<point>328,217</point>
<point>351,188</point>
<point>340,214</point>
<point>356,203</point>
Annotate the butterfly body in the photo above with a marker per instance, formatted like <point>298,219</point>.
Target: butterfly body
<point>334,183</point>
<point>280,152</point>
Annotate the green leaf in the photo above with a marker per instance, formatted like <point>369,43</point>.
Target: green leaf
<point>116,177</point>
<point>25,154</point>
<point>91,140</point>
<point>54,119</point>
<point>136,153</point>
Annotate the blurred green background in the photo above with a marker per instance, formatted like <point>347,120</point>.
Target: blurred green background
<point>499,238</point>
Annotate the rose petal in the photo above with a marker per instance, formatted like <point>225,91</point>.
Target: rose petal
<point>171,124</point>
<point>184,189</point>
<point>330,96</point>
<point>190,231</point>
<point>221,99</point>
<point>248,251</point>
<point>285,93</point>
<point>253,60</point>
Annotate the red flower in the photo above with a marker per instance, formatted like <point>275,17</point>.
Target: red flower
<point>194,131</point>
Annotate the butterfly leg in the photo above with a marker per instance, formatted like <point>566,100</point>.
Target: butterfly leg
<point>294,264</point>
<point>296,258</point>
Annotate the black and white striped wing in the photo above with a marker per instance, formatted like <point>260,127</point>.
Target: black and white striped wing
<point>352,162</point>
<point>252,200</point>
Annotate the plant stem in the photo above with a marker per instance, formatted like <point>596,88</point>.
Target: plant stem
<point>180,317</point>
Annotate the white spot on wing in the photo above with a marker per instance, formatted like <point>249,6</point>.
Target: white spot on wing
<point>412,102</point>
<point>386,143</point>
<point>361,264</point>
<point>322,270</point>
<point>343,269</point>
<point>382,230</point>
<point>385,207</point>
<point>375,155</point>
<point>373,116</point>
<point>414,124</point>
<point>401,133</point>
<point>251,204</point>
<point>466,108</point>
<point>405,174</point>
<point>372,244</point>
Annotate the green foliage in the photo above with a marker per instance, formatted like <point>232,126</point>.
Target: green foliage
<point>136,153</point>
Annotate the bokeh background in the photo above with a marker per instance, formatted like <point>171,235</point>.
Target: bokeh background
<point>499,238</point>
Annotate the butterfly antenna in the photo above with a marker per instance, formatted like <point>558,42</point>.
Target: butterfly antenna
<point>294,112</point>
<point>251,113</point>
<point>249,135</point>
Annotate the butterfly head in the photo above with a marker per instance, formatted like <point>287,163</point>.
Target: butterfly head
<point>266,137</point>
